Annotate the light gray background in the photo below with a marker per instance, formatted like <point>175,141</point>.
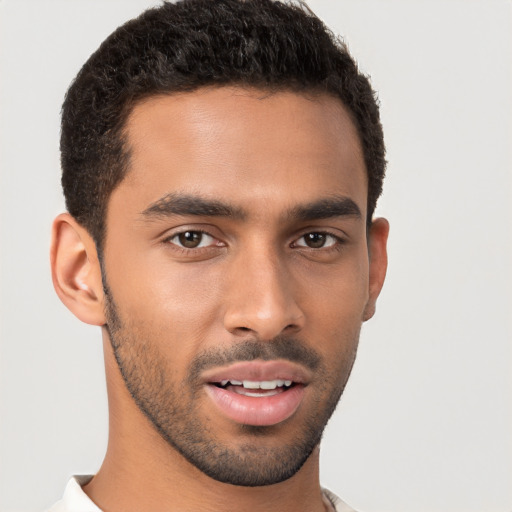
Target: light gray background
<point>426,421</point>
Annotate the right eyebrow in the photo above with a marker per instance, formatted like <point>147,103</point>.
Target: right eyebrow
<point>186,204</point>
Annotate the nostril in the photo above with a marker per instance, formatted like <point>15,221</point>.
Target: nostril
<point>291,327</point>
<point>244,318</point>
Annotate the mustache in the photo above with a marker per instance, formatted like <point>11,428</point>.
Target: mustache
<point>287,348</point>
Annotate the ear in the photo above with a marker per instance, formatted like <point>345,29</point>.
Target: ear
<point>377,248</point>
<point>76,271</point>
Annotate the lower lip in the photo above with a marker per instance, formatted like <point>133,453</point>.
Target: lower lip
<point>256,411</point>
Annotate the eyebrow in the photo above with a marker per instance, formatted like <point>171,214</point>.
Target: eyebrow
<point>183,204</point>
<point>336,206</point>
<point>186,205</point>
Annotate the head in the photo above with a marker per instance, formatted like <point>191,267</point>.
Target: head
<point>221,164</point>
<point>182,47</point>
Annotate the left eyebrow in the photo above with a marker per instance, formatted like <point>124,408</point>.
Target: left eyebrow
<point>337,206</point>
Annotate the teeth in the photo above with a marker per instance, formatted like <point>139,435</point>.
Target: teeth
<point>250,384</point>
<point>253,384</point>
<point>254,393</point>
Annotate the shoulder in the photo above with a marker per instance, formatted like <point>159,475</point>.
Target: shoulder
<point>74,498</point>
<point>338,504</point>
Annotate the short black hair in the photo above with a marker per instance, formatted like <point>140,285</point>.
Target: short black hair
<point>182,46</point>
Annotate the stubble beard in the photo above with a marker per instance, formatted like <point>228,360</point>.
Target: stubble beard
<point>172,407</point>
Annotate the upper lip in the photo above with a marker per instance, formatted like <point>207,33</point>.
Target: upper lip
<point>258,371</point>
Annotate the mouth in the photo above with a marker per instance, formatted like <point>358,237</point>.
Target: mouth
<point>255,388</point>
<point>262,393</point>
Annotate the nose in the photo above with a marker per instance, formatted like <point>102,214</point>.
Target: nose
<point>260,297</point>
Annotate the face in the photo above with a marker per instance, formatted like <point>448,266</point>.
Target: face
<point>237,274</point>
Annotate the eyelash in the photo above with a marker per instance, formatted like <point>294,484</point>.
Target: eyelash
<point>338,241</point>
<point>194,250</point>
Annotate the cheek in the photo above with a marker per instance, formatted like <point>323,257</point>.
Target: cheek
<point>334,303</point>
<point>337,294</point>
<point>179,300</point>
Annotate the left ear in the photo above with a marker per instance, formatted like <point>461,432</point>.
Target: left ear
<point>377,249</point>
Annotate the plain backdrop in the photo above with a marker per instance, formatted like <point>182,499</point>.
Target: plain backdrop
<point>426,421</point>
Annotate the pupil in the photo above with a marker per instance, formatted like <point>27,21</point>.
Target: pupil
<point>190,239</point>
<point>315,240</point>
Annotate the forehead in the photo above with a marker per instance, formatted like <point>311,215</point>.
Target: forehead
<point>244,146</point>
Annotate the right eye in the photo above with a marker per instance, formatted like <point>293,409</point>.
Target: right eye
<point>191,239</point>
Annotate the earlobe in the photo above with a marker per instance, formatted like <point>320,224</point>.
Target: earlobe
<point>377,248</point>
<point>76,271</point>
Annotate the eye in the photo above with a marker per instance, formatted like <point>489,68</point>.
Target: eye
<point>192,239</point>
<point>317,240</point>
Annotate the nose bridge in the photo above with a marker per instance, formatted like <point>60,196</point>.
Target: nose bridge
<point>261,295</point>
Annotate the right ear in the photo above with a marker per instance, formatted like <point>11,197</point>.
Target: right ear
<point>76,271</point>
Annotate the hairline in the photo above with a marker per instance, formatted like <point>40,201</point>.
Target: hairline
<point>121,132</point>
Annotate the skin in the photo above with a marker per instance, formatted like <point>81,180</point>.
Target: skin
<point>254,278</point>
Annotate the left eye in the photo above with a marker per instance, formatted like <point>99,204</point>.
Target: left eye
<point>316,240</point>
<point>192,239</point>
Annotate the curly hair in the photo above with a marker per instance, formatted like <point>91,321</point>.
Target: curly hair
<point>183,46</point>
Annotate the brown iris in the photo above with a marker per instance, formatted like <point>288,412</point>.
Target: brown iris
<point>190,239</point>
<point>315,240</point>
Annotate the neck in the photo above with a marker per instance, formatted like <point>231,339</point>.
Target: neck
<point>142,472</point>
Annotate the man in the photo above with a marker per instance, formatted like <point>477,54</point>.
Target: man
<point>221,165</point>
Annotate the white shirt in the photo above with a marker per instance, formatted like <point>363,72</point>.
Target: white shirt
<point>75,499</point>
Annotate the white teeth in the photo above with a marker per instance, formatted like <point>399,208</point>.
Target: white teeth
<point>253,384</point>
<point>266,384</point>
<point>253,393</point>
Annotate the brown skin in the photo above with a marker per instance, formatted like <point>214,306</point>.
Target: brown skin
<point>254,279</point>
